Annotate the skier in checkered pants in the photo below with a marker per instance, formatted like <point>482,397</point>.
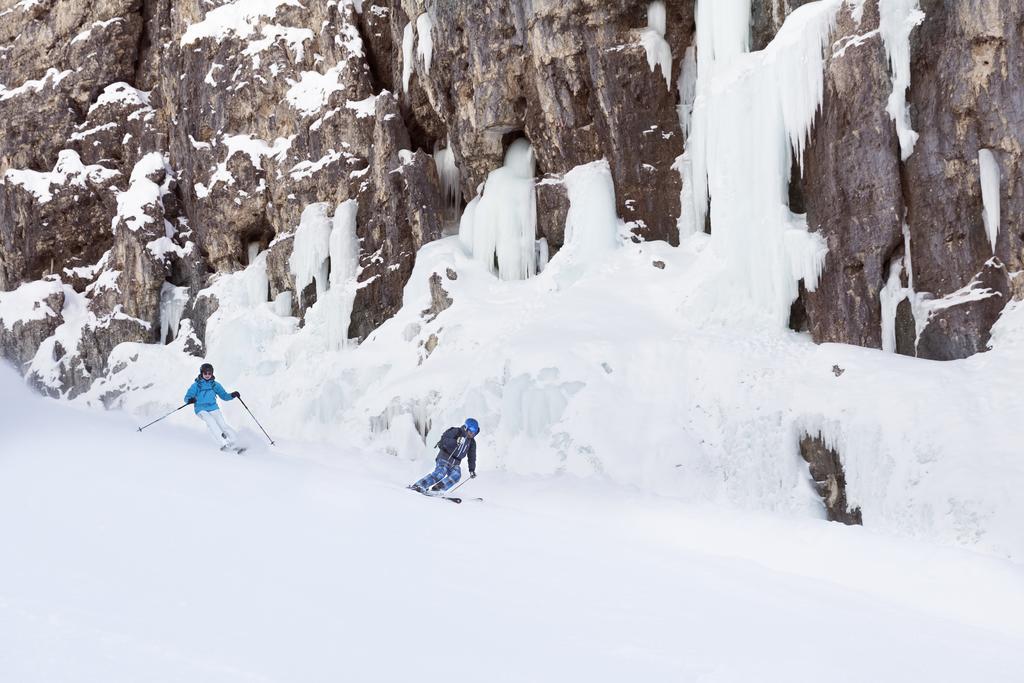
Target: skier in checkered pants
<point>456,443</point>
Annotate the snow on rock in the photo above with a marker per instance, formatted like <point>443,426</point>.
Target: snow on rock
<point>142,192</point>
<point>363,108</point>
<point>988,167</point>
<point>28,302</point>
<point>294,39</point>
<point>503,224</point>
<point>51,78</point>
<point>307,169</point>
<point>239,18</point>
<point>121,93</point>
<point>743,163</point>
<point>310,94</point>
<point>659,53</point>
<point>425,46</point>
<point>69,171</point>
<point>87,33</point>
<point>254,148</point>
<point>897,20</point>
<point>54,356</point>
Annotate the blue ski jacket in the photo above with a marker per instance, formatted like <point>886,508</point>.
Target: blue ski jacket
<point>455,445</point>
<point>205,392</point>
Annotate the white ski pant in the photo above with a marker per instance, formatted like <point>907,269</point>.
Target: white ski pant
<point>219,428</point>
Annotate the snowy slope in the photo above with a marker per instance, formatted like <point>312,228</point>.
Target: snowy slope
<point>606,366</point>
<point>128,557</point>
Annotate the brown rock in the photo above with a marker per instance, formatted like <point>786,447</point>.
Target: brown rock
<point>829,479</point>
<point>852,187</point>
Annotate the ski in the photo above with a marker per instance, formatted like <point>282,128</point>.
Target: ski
<point>454,499</point>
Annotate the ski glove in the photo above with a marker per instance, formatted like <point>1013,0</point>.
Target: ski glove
<point>235,394</point>
<point>190,401</point>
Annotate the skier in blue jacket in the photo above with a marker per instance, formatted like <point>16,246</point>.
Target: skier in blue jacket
<point>203,395</point>
<point>456,443</point>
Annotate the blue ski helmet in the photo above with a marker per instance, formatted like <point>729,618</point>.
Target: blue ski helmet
<point>472,425</point>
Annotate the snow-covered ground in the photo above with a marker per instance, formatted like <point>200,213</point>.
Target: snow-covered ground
<point>152,556</point>
<point>606,366</point>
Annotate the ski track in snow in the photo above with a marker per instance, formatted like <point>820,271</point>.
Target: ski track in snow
<point>152,556</point>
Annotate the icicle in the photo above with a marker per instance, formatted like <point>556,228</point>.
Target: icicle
<point>448,174</point>
<point>890,297</point>
<point>504,220</point>
<point>408,42</point>
<point>723,34</point>
<point>659,53</point>
<point>806,251</point>
<point>344,254</point>
<point>257,281</point>
<point>687,85</point>
<point>172,305</point>
<point>988,167</point>
<point>467,225</point>
<point>543,254</point>
<point>426,42</point>
<point>897,19</point>
<point>311,249</point>
<point>743,162</point>
<point>253,251</point>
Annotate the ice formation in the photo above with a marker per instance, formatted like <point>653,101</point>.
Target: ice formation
<point>408,42</point>
<point>502,225</point>
<point>172,305</point>
<point>425,47</point>
<point>659,53</point>
<point>988,167</point>
<point>687,85</point>
<point>344,253</point>
<point>743,162</point>
<point>448,173</point>
<point>283,304</point>
<point>592,222</point>
<point>311,251</point>
<point>897,19</point>
<point>543,254</point>
<point>890,297</point>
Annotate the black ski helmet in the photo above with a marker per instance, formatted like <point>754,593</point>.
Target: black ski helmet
<point>204,367</point>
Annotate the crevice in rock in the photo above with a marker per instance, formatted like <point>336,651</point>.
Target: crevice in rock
<point>143,44</point>
<point>797,203</point>
<point>260,233</point>
<point>826,469</point>
<point>798,312</point>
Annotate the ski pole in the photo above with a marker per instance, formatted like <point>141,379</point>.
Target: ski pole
<point>164,417</point>
<point>458,485</point>
<point>257,422</point>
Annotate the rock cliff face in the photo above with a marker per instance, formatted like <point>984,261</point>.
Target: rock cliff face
<point>909,216</point>
<point>148,145</point>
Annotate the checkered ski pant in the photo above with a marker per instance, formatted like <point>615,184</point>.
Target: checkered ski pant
<point>446,474</point>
